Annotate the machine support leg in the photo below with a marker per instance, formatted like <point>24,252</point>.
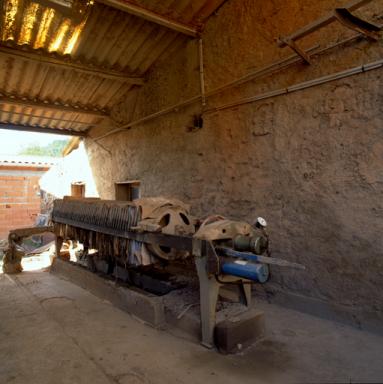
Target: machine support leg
<point>58,242</point>
<point>209,289</point>
<point>246,291</point>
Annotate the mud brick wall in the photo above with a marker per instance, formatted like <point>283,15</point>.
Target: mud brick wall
<point>19,197</point>
<point>309,162</point>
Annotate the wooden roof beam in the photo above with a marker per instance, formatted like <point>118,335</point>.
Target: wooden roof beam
<point>63,62</point>
<point>136,10</point>
<point>71,146</point>
<point>320,23</point>
<point>32,128</point>
<point>12,99</point>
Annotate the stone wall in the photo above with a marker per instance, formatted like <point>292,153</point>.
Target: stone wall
<point>309,162</point>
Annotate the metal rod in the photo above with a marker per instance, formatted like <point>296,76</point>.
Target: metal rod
<point>201,72</point>
<point>301,86</point>
<point>102,147</point>
<point>264,71</point>
<point>267,70</point>
<point>251,76</point>
<point>151,117</point>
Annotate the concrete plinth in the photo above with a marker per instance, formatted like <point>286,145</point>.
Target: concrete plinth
<point>149,308</point>
<point>238,332</point>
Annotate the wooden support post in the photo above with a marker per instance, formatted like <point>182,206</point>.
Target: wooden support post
<point>58,243</point>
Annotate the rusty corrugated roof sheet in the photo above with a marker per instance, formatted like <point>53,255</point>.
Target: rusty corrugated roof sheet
<point>101,36</point>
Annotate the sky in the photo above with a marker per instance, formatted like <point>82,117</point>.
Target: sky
<point>11,143</point>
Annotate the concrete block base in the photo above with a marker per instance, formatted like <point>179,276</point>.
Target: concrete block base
<point>238,332</point>
<point>145,306</point>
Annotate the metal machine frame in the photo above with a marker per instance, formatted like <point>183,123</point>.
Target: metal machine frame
<point>206,260</point>
<point>209,260</point>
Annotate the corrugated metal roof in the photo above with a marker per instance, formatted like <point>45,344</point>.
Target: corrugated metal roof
<point>44,82</point>
<point>102,36</point>
<point>117,39</point>
<point>28,161</point>
<point>39,117</point>
<point>192,12</point>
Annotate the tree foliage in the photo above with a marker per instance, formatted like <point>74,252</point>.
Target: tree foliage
<point>53,149</point>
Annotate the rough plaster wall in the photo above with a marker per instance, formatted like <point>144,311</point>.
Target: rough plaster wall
<point>309,162</point>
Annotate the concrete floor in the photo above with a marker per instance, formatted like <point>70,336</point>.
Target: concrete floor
<point>55,332</point>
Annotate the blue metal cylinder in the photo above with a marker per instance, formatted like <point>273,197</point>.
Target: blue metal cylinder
<point>250,271</point>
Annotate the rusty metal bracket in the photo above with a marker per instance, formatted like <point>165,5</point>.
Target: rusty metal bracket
<point>345,17</point>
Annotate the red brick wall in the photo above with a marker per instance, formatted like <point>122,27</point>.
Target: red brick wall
<point>19,198</point>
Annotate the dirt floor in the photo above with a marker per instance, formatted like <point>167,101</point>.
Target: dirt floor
<point>55,332</point>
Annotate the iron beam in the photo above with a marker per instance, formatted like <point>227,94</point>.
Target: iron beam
<point>65,62</point>
<point>23,101</point>
<point>30,128</point>
<point>151,16</point>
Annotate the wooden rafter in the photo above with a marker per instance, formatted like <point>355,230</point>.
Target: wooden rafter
<point>64,62</point>
<point>345,17</point>
<point>72,145</point>
<point>32,128</point>
<point>136,10</point>
<point>320,23</point>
